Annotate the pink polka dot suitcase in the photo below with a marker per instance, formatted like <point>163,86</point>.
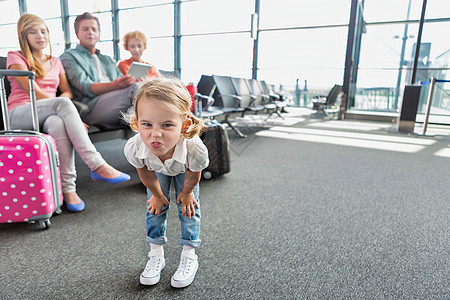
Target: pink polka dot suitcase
<point>29,170</point>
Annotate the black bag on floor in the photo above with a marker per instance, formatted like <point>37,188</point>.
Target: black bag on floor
<point>216,140</point>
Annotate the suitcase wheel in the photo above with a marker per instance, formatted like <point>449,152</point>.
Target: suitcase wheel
<point>207,175</point>
<point>44,224</point>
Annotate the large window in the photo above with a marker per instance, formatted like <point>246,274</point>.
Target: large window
<point>216,38</point>
<point>292,13</point>
<point>156,21</point>
<point>51,13</point>
<point>301,44</point>
<point>226,54</point>
<point>9,14</point>
<point>388,50</point>
<point>80,6</point>
<point>380,79</point>
<point>102,10</point>
<point>303,41</point>
<point>213,16</point>
<point>316,56</point>
<point>388,10</point>
<point>436,65</point>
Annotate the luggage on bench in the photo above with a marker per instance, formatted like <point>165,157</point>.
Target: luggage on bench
<point>216,140</point>
<point>29,167</point>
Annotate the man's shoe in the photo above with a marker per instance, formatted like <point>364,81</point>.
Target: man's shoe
<point>185,273</point>
<point>152,272</point>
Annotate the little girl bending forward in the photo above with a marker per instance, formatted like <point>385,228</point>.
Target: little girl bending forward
<point>168,148</point>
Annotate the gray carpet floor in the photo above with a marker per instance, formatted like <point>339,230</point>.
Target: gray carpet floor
<point>321,210</point>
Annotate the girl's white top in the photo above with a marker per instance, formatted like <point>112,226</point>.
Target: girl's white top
<point>194,157</point>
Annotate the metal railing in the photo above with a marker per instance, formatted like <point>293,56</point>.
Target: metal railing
<point>432,84</point>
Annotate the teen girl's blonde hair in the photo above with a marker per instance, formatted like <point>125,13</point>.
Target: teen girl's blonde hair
<point>24,25</point>
<point>134,34</point>
<point>173,93</point>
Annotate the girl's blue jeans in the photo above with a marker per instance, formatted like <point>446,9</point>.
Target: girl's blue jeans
<point>156,224</point>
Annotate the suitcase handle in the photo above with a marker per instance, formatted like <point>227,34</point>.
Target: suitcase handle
<point>4,103</point>
<point>29,74</point>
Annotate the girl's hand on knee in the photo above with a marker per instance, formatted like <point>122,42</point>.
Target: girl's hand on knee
<point>188,204</point>
<point>155,204</point>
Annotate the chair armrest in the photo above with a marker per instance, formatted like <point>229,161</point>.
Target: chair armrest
<point>265,98</point>
<point>319,99</point>
<point>237,99</point>
<point>232,96</point>
<point>82,108</point>
<point>209,100</point>
<point>274,96</point>
<point>198,102</point>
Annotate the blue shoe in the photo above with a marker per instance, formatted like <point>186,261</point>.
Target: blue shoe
<point>121,178</point>
<point>75,207</point>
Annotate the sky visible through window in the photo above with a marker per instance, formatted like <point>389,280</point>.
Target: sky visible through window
<point>315,55</point>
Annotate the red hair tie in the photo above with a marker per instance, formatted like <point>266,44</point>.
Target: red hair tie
<point>186,125</point>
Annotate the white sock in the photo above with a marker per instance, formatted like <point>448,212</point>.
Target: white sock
<point>188,249</point>
<point>154,246</point>
<point>157,247</point>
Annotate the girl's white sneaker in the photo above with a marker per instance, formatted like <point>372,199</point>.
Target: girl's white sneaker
<point>186,271</point>
<point>152,272</point>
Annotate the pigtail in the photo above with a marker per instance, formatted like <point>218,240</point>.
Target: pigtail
<point>197,128</point>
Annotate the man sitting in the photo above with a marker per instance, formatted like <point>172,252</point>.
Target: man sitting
<point>94,78</point>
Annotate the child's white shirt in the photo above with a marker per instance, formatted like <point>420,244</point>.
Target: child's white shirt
<point>193,157</point>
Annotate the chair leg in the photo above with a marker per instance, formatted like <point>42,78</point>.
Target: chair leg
<point>279,113</point>
<point>268,117</point>
<point>318,107</point>
<point>238,132</point>
<point>276,111</point>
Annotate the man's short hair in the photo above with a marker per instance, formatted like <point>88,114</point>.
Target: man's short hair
<point>85,16</point>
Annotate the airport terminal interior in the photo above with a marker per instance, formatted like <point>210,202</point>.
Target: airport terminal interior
<point>338,185</point>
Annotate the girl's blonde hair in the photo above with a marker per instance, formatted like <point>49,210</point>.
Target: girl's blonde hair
<point>26,21</point>
<point>134,34</point>
<point>171,92</point>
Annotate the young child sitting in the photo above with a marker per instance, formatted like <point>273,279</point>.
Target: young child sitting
<point>168,148</point>
<point>135,42</point>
